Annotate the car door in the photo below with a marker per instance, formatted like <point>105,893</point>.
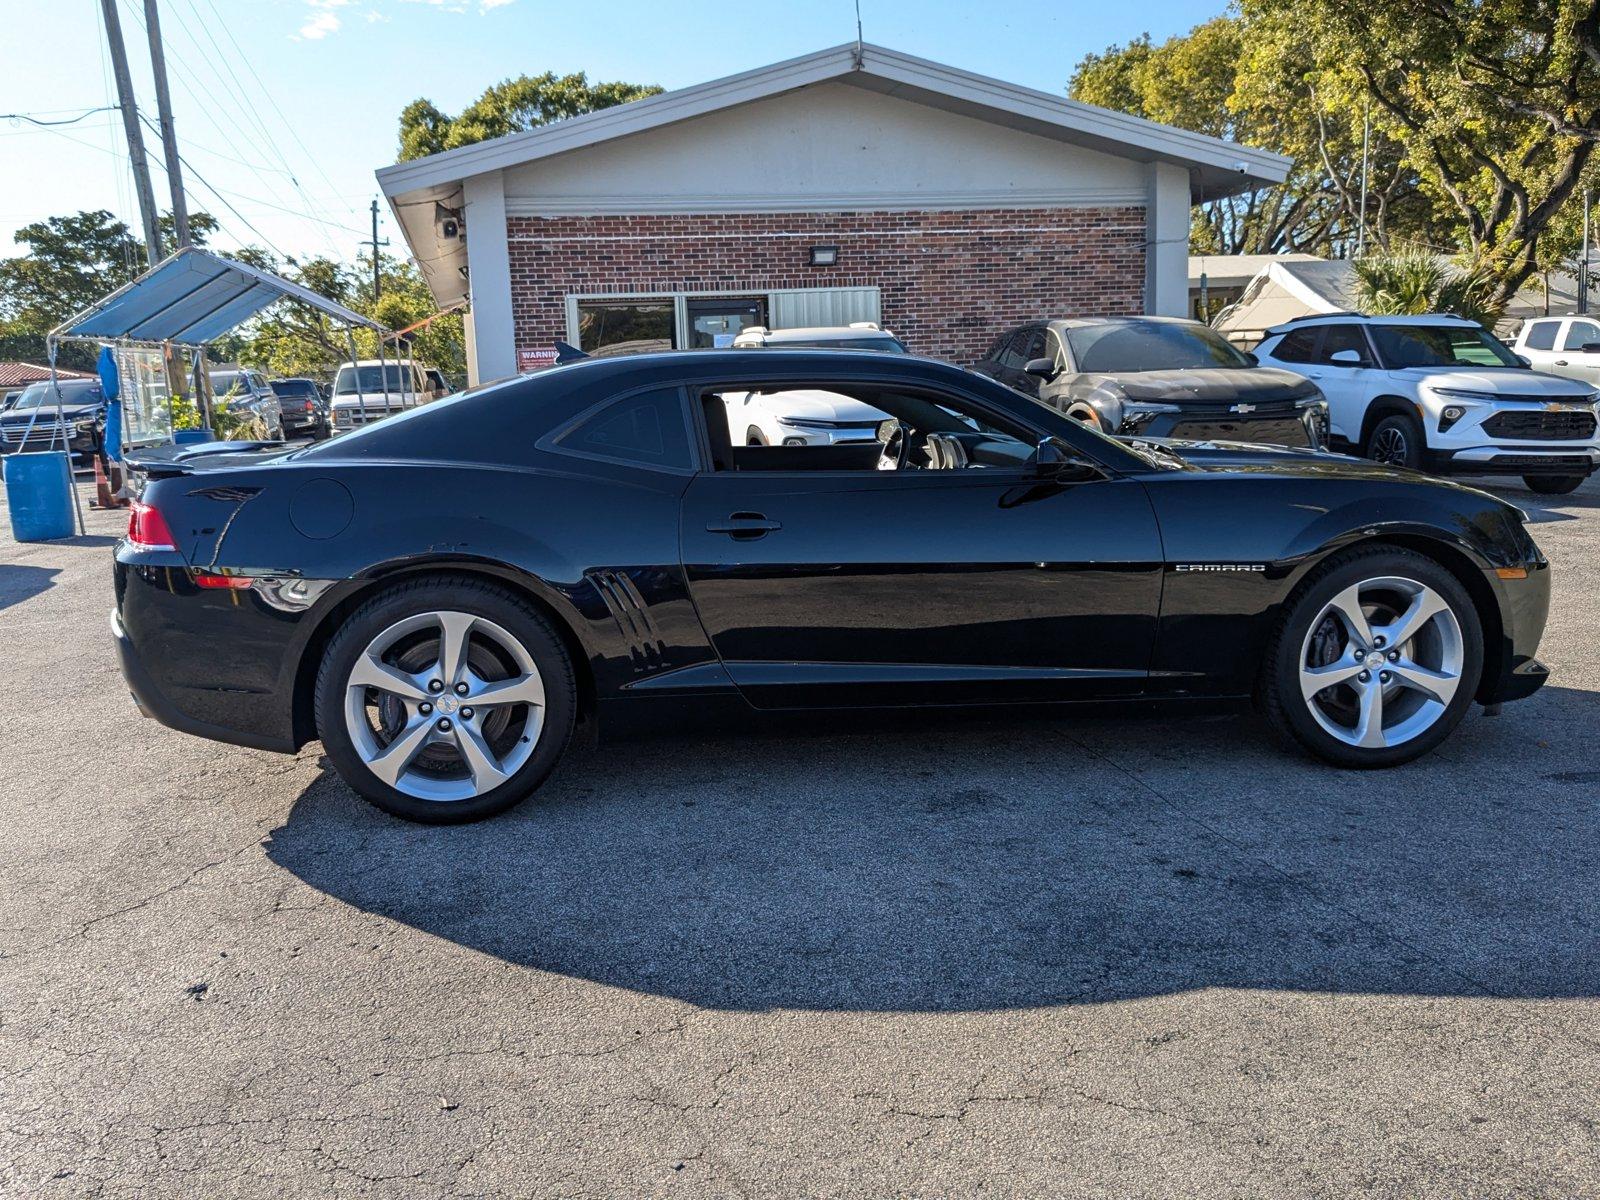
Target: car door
<point>1344,366</point>
<point>1572,357</point>
<point>867,587</point>
<point>1536,342</point>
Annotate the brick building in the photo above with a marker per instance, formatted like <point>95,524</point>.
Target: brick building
<point>852,184</point>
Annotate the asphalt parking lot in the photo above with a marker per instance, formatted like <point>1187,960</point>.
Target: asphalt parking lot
<point>1131,957</point>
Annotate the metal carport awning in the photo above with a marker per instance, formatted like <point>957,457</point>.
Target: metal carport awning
<point>191,298</point>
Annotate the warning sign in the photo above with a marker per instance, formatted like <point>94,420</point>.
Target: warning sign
<point>529,361</point>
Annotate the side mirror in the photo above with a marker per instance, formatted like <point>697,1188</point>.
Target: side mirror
<point>1043,368</point>
<point>1346,358</point>
<point>1251,358</point>
<point>1054,459</point>
<point>1525,360</point>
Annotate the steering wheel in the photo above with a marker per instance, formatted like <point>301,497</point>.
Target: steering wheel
<point>896,447</point>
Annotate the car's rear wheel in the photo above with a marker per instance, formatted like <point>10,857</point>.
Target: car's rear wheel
<point>1376,660</point>
<point>1396,440</point>
<point>445,700</point>
<point>754,437</point>
<point>1553,485</point>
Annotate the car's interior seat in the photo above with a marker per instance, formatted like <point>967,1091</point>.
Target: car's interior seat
<point>717,431</point>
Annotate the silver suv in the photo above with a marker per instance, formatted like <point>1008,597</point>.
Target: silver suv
<point>1443,394</point>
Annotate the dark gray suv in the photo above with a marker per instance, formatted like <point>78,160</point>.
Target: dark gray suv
<point>1158,377</point>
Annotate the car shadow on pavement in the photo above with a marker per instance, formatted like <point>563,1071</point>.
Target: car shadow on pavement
<point>19,583</point>
<point>969,864</point>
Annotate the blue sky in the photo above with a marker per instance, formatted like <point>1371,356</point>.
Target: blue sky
<point>286,107</point>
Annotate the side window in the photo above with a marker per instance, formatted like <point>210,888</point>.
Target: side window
<point>1033,347</point>
<point>1011,356</point>
<point>996,348</point>
<point>1542,335</point>
<point>647,429</point>
<point>1300,345</point>
<point>1580,334</point>
<point>858,427</point>
<point>1343,337</point>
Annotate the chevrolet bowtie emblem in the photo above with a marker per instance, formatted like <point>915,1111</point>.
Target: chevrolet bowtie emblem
<point>1243,408</point>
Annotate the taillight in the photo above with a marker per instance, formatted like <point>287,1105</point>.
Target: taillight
<point>147,528</point>
<point>236,583</point>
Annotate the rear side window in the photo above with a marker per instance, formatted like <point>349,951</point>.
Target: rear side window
<point>1542,335</point>
<point>1298,346</point>
<point>648,429</point>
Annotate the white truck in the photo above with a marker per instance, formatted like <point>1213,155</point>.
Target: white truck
<point>370,390</point>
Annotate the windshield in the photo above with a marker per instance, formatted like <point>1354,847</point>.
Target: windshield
<point>1404,346</point>
<point>72,393</point>
<point>372,380</point>
<point>225,383</point>
<point>1150,346</point>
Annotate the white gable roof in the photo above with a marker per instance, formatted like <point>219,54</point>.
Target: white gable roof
<point>1217,167</point>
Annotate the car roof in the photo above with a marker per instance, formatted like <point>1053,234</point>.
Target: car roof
<point>817,333</point>
<point>1441,320</point>
<point>1094,322</point>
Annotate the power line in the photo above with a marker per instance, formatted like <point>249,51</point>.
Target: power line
<point>33,120</point>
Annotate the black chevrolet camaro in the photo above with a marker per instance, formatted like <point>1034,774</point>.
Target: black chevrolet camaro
<point>443,597</point>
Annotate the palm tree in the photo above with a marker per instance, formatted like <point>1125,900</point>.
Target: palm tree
<point>1413,281</point>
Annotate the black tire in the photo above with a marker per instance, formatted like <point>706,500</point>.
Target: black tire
<point>754,437</point>
<point>512,613</point>
<point>1280,692</point>
<point>1553,485</point>
<point>1396,440</point>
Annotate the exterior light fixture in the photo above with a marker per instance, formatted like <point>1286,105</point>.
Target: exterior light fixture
<point>824,256</point>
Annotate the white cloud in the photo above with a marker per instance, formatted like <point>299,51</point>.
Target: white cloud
<point>319,26</point>
<point>486,5</point>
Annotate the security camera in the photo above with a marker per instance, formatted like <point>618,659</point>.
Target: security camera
<point>449,228</point>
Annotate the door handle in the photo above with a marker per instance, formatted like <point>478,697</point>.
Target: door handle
<point>1313,374</point>
<point>1560,362</point>
<point>745,526</point>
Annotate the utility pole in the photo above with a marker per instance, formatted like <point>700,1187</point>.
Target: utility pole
<point>1583,263</point>
<point>377,284</point>
<point>1366,139</point>
<point>130,123</point>
<point>169,137</point>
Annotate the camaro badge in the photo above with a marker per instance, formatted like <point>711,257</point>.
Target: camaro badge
<point>1220,567</point>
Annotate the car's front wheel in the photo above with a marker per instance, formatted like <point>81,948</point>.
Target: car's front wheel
<point>1376,660</point>
<point>445,700</point>
<point>1553,485</point>
<point>1396,440</point>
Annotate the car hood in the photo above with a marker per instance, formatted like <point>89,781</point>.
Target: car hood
<point>1507,381</point>
<point>1208,386</point>
<point>814,405</point>
<point>1251,456</point>
<point>47,412</point>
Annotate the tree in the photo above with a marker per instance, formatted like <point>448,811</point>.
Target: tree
<point>1496,104</point>
<point>1415,281</point>
<point>290,339</point>
<point>509,107</point>
<point>70,263</point>
<point>1244,81</point>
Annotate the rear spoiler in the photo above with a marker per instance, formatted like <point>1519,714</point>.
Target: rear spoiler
<point>159,462</point>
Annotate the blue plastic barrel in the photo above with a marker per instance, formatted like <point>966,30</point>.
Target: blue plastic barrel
<point>190,437</point>
<point>39,494</point>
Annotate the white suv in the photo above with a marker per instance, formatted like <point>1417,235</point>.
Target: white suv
<point>1567,346</point>
<point>807,417</point>
<point>1442,394</point>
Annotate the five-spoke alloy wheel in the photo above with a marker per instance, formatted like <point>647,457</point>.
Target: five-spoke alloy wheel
<point>1376,660</point>
<point>445,701</point>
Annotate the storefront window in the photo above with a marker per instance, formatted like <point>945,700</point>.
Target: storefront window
<point>609,327</point>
